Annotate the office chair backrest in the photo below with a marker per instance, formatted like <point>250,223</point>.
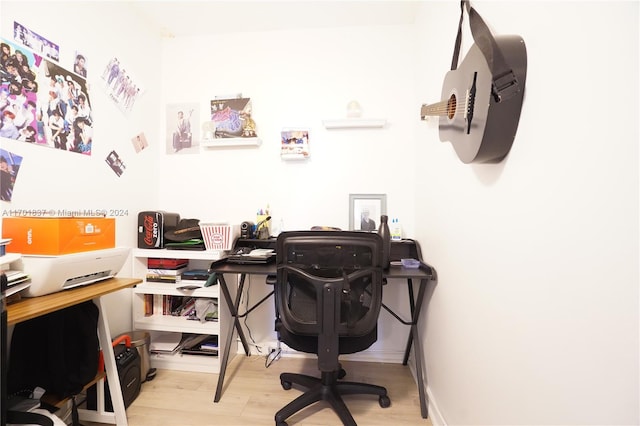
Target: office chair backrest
<point>315,266</point>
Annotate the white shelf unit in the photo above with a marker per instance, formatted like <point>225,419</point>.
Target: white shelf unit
<point>158,322</point>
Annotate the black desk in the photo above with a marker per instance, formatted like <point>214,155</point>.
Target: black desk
<point>399,250</point>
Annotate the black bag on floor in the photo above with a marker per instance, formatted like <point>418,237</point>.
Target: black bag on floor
<point>58,352</point>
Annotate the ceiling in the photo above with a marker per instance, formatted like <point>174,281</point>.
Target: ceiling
<point>204,17</point>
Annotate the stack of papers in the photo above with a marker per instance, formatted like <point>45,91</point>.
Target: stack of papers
<point>16,281</point>
<point>165,342</point>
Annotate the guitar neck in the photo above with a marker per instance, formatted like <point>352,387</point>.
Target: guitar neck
<point>434,110</point>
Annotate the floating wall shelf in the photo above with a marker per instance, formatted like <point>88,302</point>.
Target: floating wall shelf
<point>353,123</point>
<point>227,142</point>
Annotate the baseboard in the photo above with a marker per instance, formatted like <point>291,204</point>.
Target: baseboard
<point>263,348</point>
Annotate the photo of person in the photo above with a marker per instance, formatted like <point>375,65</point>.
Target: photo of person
<point>139,142</point>
<point>116,164</point>
<point>35,42</point>
<point>9,168</point>
<point>181,137</point>
<point>366,223</point>
<point>80,65</point>
<point>365,211</point>
<point>120,84</point>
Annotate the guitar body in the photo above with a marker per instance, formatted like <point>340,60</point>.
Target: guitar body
<point>483,130</point>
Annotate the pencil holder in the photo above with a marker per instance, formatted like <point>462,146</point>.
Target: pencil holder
<point>263,226</point>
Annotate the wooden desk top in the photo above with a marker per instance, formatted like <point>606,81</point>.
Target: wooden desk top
<point>32,307</point>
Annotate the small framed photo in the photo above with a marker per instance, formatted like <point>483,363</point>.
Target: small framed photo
<point>365,211</point>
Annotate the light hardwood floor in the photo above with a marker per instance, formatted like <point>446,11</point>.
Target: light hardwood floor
<point>252,394</point>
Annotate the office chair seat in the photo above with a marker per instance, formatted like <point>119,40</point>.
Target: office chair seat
<point>328,293</point>
<point>328,387</point>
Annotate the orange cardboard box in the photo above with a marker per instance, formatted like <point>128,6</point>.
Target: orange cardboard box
<point>58,235</point>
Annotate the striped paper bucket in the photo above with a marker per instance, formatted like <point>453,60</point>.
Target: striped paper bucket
<point>219,236</point>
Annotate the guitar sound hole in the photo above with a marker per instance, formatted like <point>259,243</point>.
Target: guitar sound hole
<point>451,106</point>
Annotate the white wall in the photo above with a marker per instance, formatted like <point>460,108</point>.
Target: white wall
<point>297,79</point>
<point>51,179</point>
<point>534,319</point>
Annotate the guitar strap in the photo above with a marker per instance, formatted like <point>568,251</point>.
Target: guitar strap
<point>505,84</point>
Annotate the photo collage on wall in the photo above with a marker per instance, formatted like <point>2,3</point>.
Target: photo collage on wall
<point>47,103</point>
<point>40,101</point>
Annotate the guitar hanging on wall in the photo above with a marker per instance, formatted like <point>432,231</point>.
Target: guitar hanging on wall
<point>482,98</point>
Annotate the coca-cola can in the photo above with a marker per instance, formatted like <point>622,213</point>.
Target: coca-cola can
<point>151,228</point>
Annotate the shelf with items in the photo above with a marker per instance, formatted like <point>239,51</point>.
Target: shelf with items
<point>230,142</point>
<point>354,123</point>
<point>152,299</point>
<point>209,255</point>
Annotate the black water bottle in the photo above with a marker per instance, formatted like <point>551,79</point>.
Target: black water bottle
<point>383,231</point>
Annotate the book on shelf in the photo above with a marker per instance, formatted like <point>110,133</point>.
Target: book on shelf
<point>196,275</point>
<point>170,279</point>
<point>162,263</point>
<point>148,305</point>
<point>167,272</point>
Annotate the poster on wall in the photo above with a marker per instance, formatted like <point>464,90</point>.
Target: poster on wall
<point>43,103</point>
<point>9,168</point>
<point>294,144</point>
<point>120,85</point>
<point>181,136</point>
<point>232,118</point>
<point>35,42</point>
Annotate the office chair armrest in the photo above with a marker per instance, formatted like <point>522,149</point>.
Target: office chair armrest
<point>271,279</point>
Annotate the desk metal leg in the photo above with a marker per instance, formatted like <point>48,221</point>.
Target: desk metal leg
<point>417,348</point>
<point>415,307</point>
<point>119,415</point>
<point>412,308</point>
<point>233,309</point>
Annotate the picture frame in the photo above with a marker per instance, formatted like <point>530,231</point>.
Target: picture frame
<point>365,211</point>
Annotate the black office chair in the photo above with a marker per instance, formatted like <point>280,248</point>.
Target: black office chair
<point>328,294</point>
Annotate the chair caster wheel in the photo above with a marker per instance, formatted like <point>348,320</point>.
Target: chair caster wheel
<point>281,424</point>
<point>342,373</point>
<point>286,386</point>
<point>384,401</point>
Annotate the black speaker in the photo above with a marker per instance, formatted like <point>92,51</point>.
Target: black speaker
<point>129,366</point>
<point>246,230</point>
